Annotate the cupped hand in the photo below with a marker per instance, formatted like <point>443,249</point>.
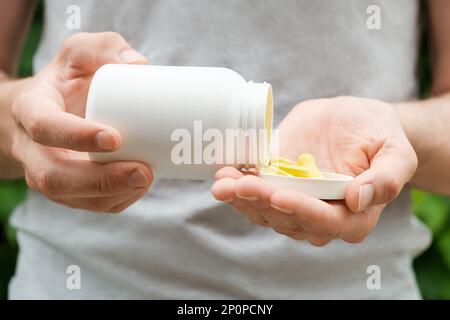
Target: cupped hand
<point>359,137</point>
<point>51,137</point>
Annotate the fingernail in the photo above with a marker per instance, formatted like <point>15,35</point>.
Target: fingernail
<point>285,210</point>
<point>252,199</point>
<point>137,179</point>
<point>366,194</point>
<point>106,140</point>
<point>130,56</point>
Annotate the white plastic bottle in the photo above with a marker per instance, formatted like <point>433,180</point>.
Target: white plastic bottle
<point>180,120</point>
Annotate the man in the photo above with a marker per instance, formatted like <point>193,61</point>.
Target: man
<point>176,241</point>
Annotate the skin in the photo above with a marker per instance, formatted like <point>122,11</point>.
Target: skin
<point>345,140</point>
<point>407,144</point>
<point>45,139</point>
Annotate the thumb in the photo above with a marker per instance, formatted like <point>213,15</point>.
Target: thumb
<point>390,169</point>
<point>86,52</point>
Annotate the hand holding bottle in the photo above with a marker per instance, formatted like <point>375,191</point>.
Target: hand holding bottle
<point>51,136</point>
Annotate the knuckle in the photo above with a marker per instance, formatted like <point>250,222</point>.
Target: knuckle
<point>243,183</point>
<point>74,40</point>
<point>45,181</point>
<point>333,228</point>
<point>29,181</point>
<point>104,184</point>
<point>22,102</point>
<point>106,39</point>
<point>355,238</point>
<point>319,242</point>
<point>72,139</point>
<point>119,209</point>
<point>34,128</point>
<point>112,35</point>
<point>331,232</point>
<point>392,187</point>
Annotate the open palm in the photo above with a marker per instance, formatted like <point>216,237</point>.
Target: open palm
<point>354,136</point>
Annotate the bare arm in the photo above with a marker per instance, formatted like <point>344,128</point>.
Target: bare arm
<point>15,17</point>
<point>427,122</point>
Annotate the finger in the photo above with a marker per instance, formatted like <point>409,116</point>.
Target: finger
<point>40,113</point>
<point>228,172</point>
<point>255,190</point>
<point>295,235</point>
<point>80,178</point>
<point>358,225</point>
<point>109,204</point>
<point>281,222</point>
<point>251,213</point>
<point>124,205</point>
<point>84,53</point>
<point>225,190</point>
<point>392,167</point>
<point>319,242</point>
<point>53,175</point>
<point>313,215</point>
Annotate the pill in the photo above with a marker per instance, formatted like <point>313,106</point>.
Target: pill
<point>281,160</point>
<point>305,158</point>
<point>274,170</point>
<point>304,167</point>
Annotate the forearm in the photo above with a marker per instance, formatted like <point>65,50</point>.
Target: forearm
<point>427,125</point>
<point>9,89</point>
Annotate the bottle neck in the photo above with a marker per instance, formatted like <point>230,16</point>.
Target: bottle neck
<point>258,121</point>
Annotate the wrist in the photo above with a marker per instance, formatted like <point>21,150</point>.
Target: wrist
<point>415,123</point>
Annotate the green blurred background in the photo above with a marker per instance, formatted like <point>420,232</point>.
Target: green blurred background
<point>432,267</point>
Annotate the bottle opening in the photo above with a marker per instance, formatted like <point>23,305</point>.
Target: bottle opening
<point>258,123</point>
<point>268,125</point>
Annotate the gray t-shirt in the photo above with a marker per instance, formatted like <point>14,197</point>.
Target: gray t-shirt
<point>178,242</point>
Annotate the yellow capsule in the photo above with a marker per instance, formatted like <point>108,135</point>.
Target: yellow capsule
<point>304,167</point>
<point>305,158</point>
<point>293,169</point>
<point>314,172</point>
<point>281,160</point>
<point>275,170</point>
